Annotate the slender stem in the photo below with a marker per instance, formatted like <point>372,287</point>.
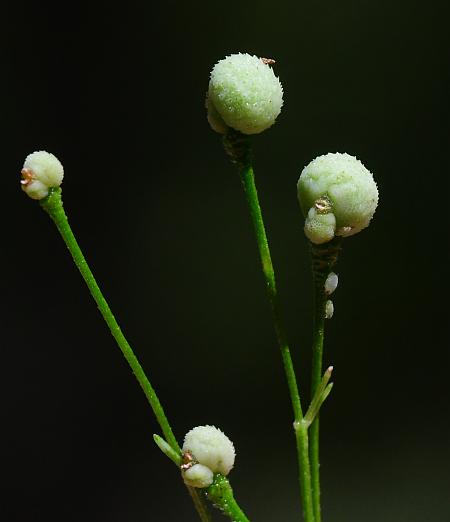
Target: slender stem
<point>317,355</point>
<point>198,498</point>
<point>324,257</point>
<point>301,436</point>
<point>238,148</point>
<point>251,193</point>
<point>53,205</point>
<point>221,495</point>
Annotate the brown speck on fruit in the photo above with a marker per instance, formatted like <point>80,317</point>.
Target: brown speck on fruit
<point>323,205</point>
<point>188,461</point>
<point>268,61</point>
<point>27,176</point>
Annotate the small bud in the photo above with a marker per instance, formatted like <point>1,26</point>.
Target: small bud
<point>198,476</point>
<point>331,283</point>
<point>346,184</point>
<point>319,228</point>
<point>329,309</point>
<point>245,93</point>
<point>210,447</point>
<point>41,171</point>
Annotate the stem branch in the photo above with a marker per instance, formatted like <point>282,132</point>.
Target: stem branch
<point>322,392</point>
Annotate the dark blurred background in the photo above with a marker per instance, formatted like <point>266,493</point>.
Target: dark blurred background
<point>117,93</point>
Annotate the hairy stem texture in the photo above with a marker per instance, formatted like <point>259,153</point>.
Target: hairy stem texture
<point>221,495</point>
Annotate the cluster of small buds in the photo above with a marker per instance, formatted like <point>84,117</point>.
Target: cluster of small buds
<point>41,172</point>
<point>329,287</point>
<point>243,94</point>
<point>349,190</point>
<point>206,451</point>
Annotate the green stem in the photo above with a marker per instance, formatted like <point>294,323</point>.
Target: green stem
<point>238,148</point>
<point>53,205</point>
<point>317,355</point>
<point>324,257</point>
<point>248,182</point>
<point>221,495</point>
<point>302,439</point>
<point>198,498</point>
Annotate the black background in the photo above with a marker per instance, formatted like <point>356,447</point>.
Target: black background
<point>117,94</point>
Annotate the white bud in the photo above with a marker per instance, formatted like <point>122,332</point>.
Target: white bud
<point>245,93</point>
<point>329,309</point>
<point>198,476</point>
<point>210,447</point>
<point>331,283</point>
<point>319,228</point>
<point>41,171</point>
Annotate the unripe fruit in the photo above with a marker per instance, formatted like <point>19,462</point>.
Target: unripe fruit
<point>41,171</point>
<point>348,187</point>
<point>245,93</point>
<point>210,447</point>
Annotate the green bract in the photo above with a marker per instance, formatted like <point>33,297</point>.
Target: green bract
<point>245,93</point>
<point>336,185</point>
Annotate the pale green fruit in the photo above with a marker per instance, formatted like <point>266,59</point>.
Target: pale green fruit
<point>210,447</point>
<point>41,171</point>
<point>245,93</point>
<point>346,184</point>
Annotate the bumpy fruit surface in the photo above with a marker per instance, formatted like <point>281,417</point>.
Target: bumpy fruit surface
<point>245,93</point>
<point>41,172</point>
<point>349,189</point>
<point>210,447</point>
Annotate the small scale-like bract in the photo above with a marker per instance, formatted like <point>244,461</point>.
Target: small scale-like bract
<point>245,92</point>
<point>331,283</point>
<point>319,228</point>
<point>346,184</point>
<point>210,447</point>
<point>329,309</point>
<point>41,171</point>
<point>198,476</point>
